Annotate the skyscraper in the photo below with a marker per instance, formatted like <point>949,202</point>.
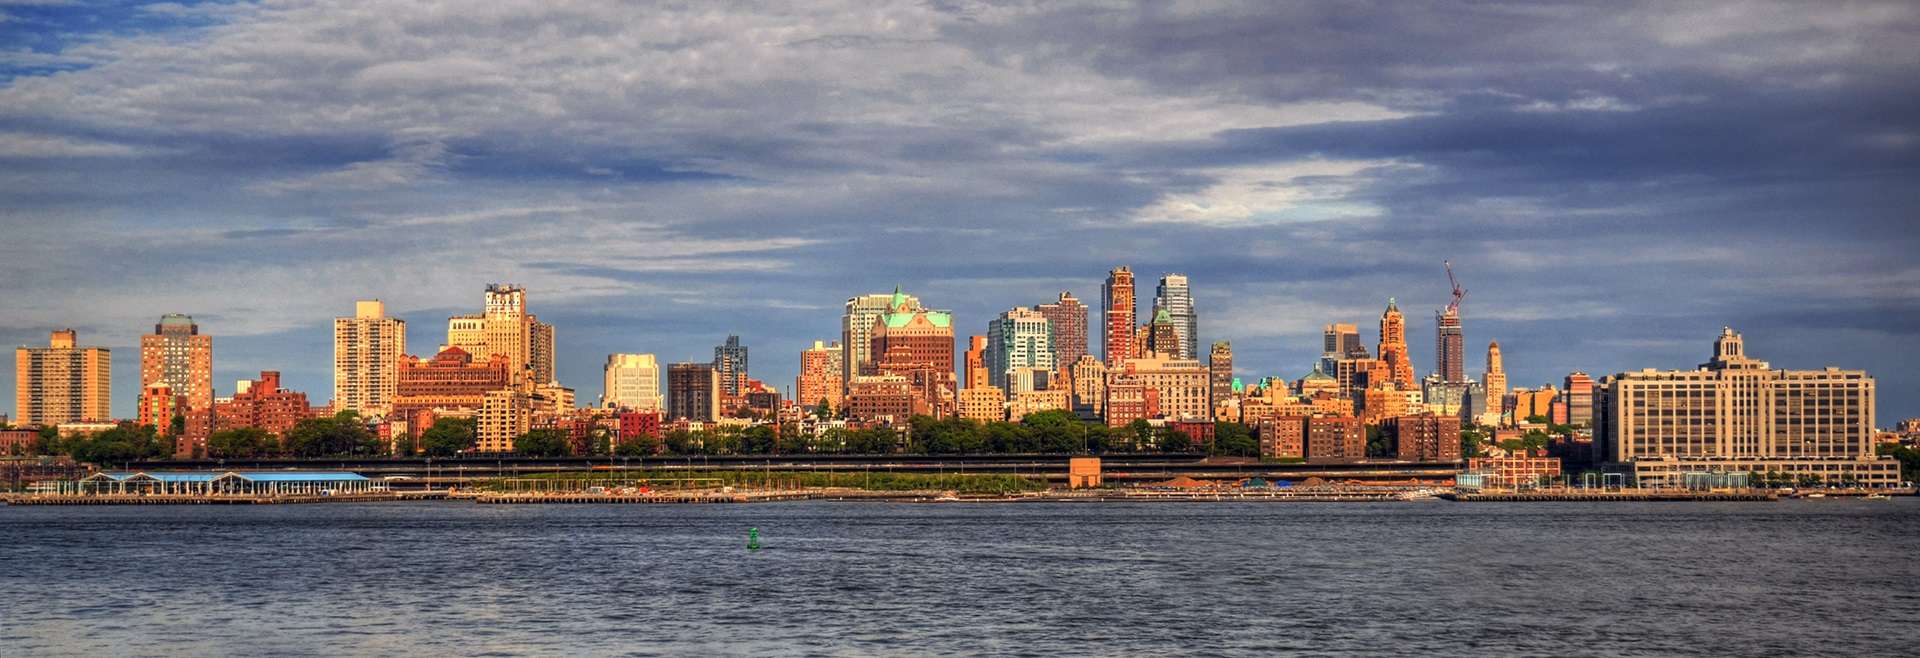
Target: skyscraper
<point>1393,347</point>
<point>975,368</point>
<point>730,359</point>
<point>1219,373</point>
<point>506,330</point>
<point>367,349</point>
<point>540,362</point>
<point>1450,347</point>
<point>632,382</point>
<point>1117,305</point>
<point>819,378</point>
<point>178,355</point>
<point>1163,336</point>
<point>1068,318</point>
<point>1019,338</point>
<point>1340,341</point>
<point>693,392</point>
<point>62,383</point>
<point>856,328</point>
<point>1496,378</point>
<point>917,344</point>
<point>1174,296</point>
<point>1579,392</point>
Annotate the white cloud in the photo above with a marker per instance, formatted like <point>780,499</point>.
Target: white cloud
<point>1310,190</point>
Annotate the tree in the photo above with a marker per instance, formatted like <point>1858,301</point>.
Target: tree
<point>177,426</point>
<point>823,411</point>
<point>241,443</point>
<point>639,446</point>
<point>541,443</point>
<point>340,434</point>
<point>123,443</point>
<point>1172,440</point>
<point>1234,440</point>
<point>1473,440</point>
<point>1056,431</point>
<point>1379,444</point>
<point>758,440</point>
<point>448,436</point>
<point>48,441</point>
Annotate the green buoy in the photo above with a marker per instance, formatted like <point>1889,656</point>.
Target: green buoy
<point>753,539</point>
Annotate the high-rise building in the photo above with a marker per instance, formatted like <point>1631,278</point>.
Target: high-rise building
<point>505,330</point>
<point>1450,347</point>
<point>1219,373</point>
<point>178,355</point>
<point>367,350</point>
<point>693,392</point>
<point>1068,319</point>
<point>975,367</point>
<point>1340,341</point>
<point>730,360</point>
<point>983,403</point>
<point>1089,388</point>
<point>856,328</point>
<point>62,382</point>
<point>1118,310</point>
<point>1579,396</point>
<point>1424,437</point>
<point>1335,439</point>
<point>1163,336</point>
<point>540,361</point>
<point>1736,414</point>
<point>819,378</point>
<point>1179,384</point>
<point>1174,296</point>
<point>917,344</point>
<point>632,382</point>
<point>1496,378</point>
<point>158,405</point>
<point>1019,338</point>
<point>1393,346</point>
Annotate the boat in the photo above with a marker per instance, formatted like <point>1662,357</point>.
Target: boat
<point>1876,496</point>
<point>1816,495</point>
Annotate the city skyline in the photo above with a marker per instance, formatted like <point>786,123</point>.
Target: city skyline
<point>1612,181</point>
<point>588,386</point>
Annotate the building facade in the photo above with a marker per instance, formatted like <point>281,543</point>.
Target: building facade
<point>631,381</point>
<point>1019,338</point>
<point>62,382</point>
<point>263,404</point>
<point>1335,440</point>
<point>730,360</point>
<point>1393,346</point>
<point>819,378</point>
<point>1424,437</point>
<point>178,355</point>
<point>451,381</point>
<point>856,327</point>
<point>1219,373</point>
<point>1174,296</point>
<point>1450,346</point>
<point>1737,414</point>
<point>693,392</point>
<point>1067,317</point>
<point>1118,311</point>
<point>367,350</point>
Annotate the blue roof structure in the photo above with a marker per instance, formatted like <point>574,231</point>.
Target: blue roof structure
<point>251,476</point>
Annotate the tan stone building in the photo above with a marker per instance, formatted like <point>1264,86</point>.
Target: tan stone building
<point>1181,385</point>
<point>367,350</point>
<point>62,382</point>
<point>983,403</point>
<point>819,378</point>
<point>1736,414</point>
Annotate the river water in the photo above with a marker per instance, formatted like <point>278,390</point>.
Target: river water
<point>1827,577</point>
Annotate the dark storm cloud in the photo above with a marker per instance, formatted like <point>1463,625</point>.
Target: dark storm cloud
<point>1613,181</point>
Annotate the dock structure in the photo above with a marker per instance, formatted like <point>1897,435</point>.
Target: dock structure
<point>215,499</point>
<point>1624,495</point>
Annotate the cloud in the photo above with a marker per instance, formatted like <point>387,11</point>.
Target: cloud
<point>1607,176</point>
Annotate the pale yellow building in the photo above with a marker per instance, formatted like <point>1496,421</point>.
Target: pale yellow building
<point>1030,402</point>
<point>983,403</point>
<point>1180,383</point>
<point>62,382</point>
<point>1737,414</point>
<point>367,349</point>
<point>506,330</point>
<point>632,381</point>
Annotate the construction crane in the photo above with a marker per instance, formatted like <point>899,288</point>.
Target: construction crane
<point>1459,293</point>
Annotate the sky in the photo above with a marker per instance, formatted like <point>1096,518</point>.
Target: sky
<point>1613,181</point>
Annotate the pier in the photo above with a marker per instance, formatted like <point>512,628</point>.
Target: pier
<point>215,499</point>
<point>1624,495</point>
